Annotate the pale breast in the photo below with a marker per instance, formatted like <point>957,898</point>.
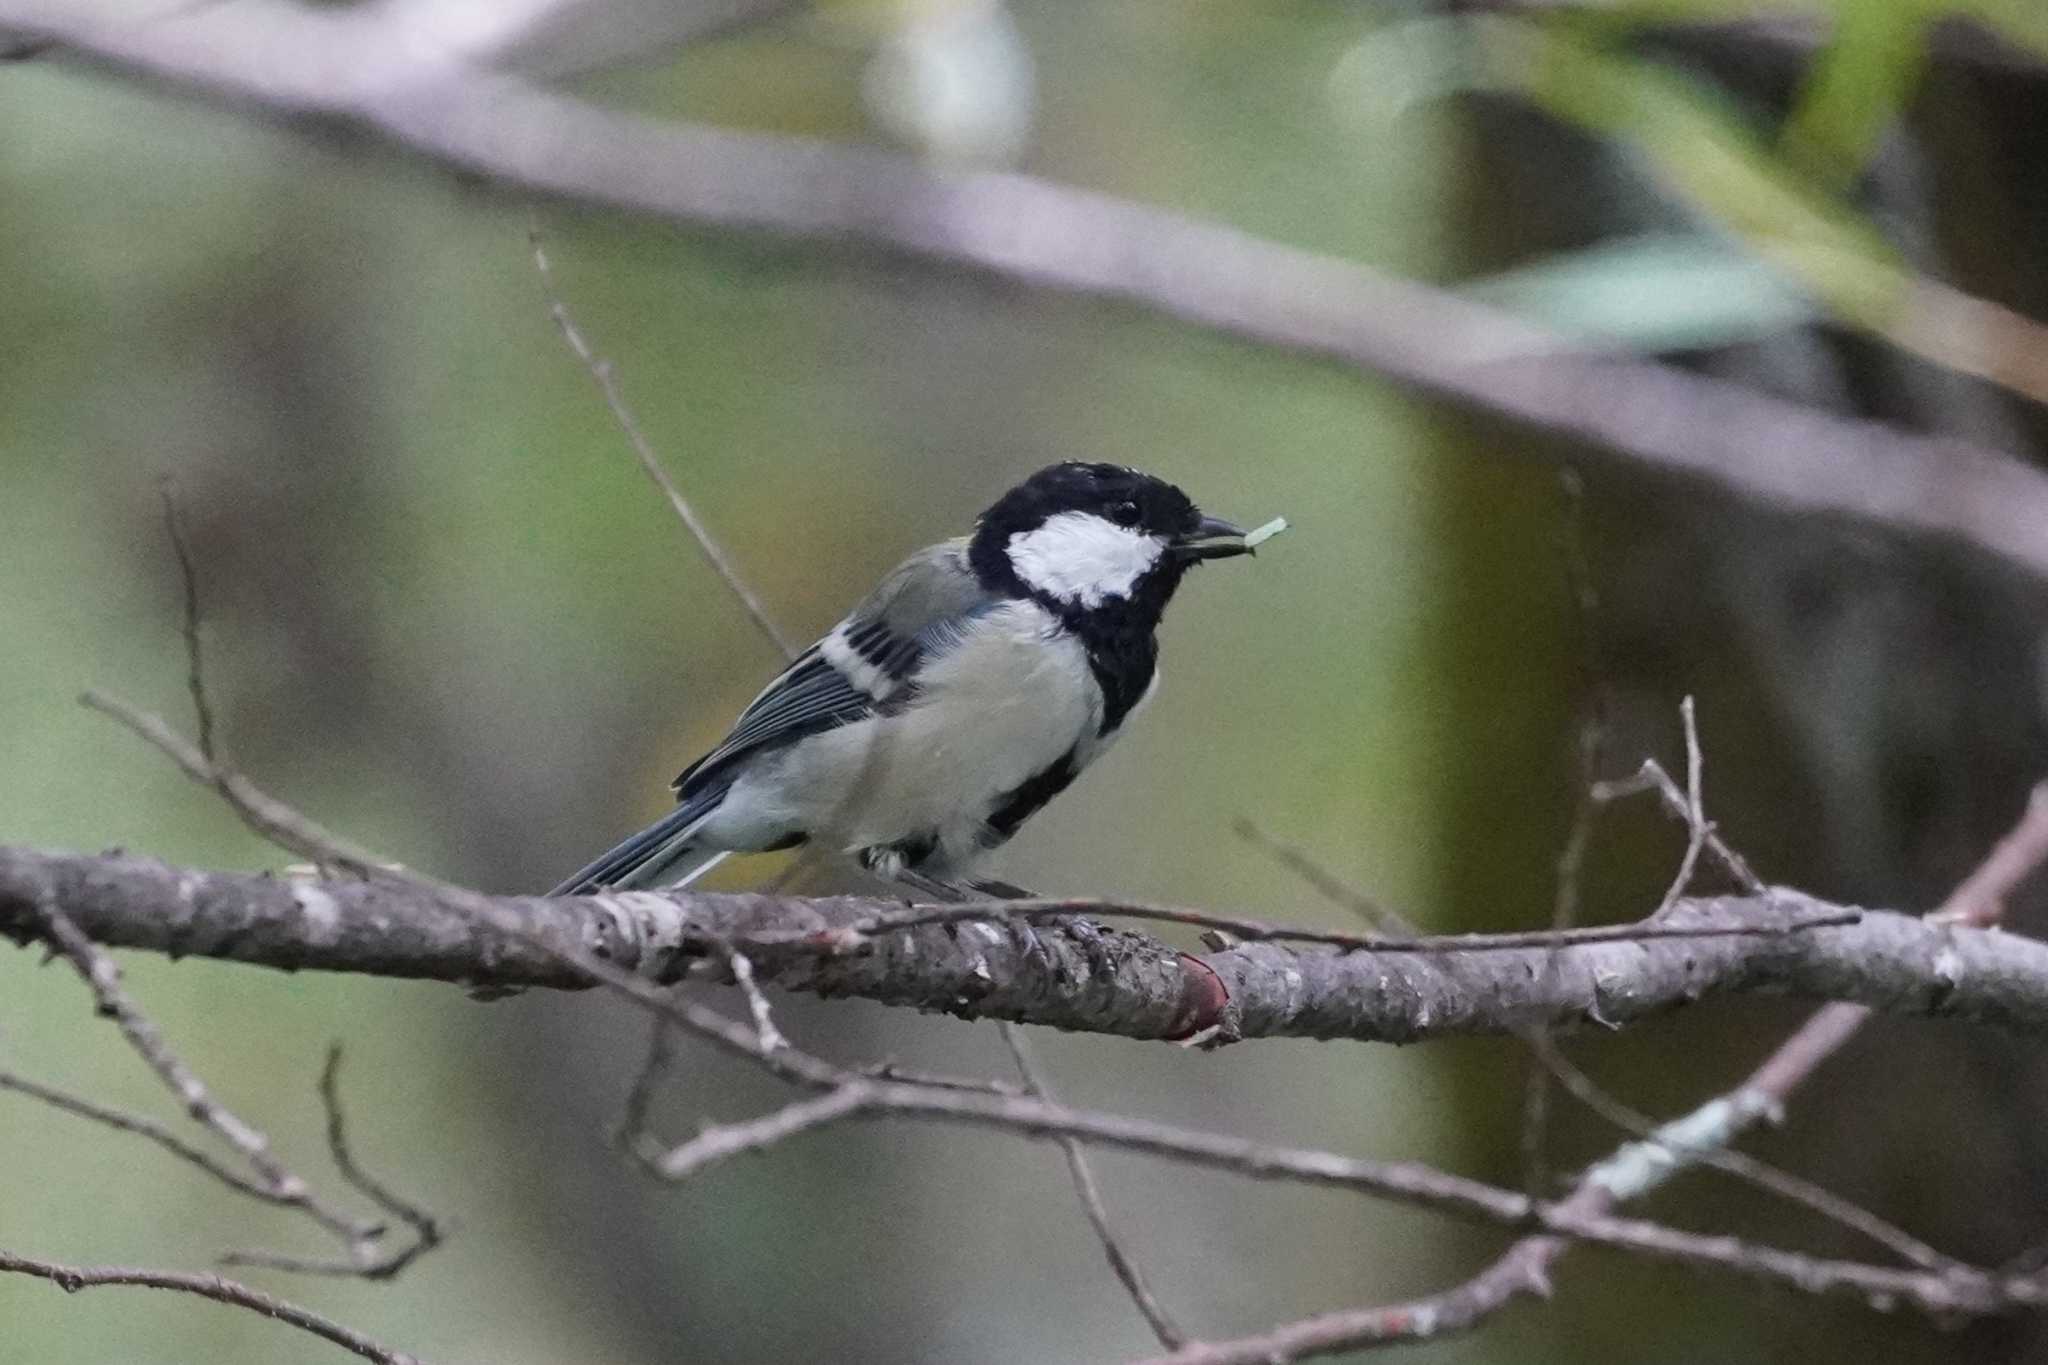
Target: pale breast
<point>1011,700</point>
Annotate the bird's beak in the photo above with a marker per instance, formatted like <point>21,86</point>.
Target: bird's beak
<point>1212,538</point>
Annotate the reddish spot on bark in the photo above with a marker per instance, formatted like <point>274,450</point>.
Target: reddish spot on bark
<point>1202,998</point>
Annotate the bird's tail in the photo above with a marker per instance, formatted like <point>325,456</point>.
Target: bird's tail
<point>660,855</point>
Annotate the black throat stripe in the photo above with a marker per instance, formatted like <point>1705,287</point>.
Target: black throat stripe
<point>1025,800</point>
<point>1123,668</point>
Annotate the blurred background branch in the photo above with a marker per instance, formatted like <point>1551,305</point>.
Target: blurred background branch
<point>350,64</point>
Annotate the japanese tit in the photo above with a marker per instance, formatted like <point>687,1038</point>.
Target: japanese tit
<point>968,689</point>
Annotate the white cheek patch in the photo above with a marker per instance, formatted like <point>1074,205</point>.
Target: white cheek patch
<point>1080,557</point>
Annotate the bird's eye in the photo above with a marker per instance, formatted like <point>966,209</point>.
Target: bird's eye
<point>1124,513</point>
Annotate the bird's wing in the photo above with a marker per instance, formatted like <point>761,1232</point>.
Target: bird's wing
<point>866,664</point>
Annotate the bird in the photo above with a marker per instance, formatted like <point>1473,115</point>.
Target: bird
<point>970,688</point>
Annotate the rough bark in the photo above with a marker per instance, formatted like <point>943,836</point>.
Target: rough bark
<point>1066,971</point>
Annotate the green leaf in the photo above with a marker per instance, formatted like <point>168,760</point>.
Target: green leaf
<point>1398,67</point>
<point>1870,67</point>
<point>1711,158</point>
<point>1658,292</point>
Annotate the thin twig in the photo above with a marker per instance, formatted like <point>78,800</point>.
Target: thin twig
<point>1772,1179</point>
<point>103,979</point>
<point>723,1140</point>
<point>290,830</point>
<point>633,1132</point>
<point>195,671</point>
<point>757,1003</point>
<point>919,916</point>
<point>607,381</point>
<point>1697,829</point>
<point>1651,777</point>
<point>149,1129</point>
<point>1979,899</point>
<point>890,1071</point>
<point>1324,882</point>
<point>1569,871</point>
<point>72,1278</point>
<point>269,818</point>
<point>1170,1333</point>
<point>426,1228</point>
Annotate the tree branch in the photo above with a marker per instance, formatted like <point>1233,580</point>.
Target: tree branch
<point>72,1278</point>
<point>1068,972</point>
<point>1121,1263</point>
<point>343,64</point>
<point>606,376</point>
<point>1705,1134</point>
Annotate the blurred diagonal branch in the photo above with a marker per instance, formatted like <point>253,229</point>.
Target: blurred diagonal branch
<point>343,64</point>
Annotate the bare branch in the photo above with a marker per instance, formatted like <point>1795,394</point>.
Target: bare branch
<point>1352,1329</point>
<point>1070,972</point>
<point>103,978</point>
<point>1569,871</point>
<point>343,64</point>
<point>195,674</point>
<point>1651,777</point>
<point>607,380</point>
<point>426,1228</point>
<point>1637,1167</point>
<point>1241,929</point>
<point>1784,1184</point>
<point>271,819</point>
<point>72,1278</point>
<point>724,1140</point>
<point>633,1132</point>
<point>1324,882</point>
<point>1169,1332</point>
<point>1633,1170</point>
<point>144,1127</point>
<point>1979,899</point>
<point>889,1071</point>
<point>849,1094</point>
<point>757,1003</point>
<point>1697,830</point>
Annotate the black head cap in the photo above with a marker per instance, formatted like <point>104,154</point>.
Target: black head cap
<point>1095,540</point>
<point>1118,494</point>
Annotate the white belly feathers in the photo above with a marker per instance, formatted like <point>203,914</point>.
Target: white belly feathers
<point>1002,706</point>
